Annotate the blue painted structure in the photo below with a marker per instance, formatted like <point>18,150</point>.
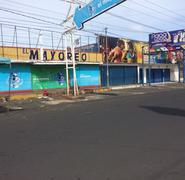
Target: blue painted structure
<point>141,76</point>
<point>87,76</point>
<point>20,77</point>
<point>93,9</point>
<point>159,75</point>
<point>119,75</point>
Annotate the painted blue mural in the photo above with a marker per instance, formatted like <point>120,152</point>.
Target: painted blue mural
<point>87,75</point>
<point>19,76</point>
<point>61,78</point>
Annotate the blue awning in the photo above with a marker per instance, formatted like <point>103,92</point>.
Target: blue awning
<point>4,60</point>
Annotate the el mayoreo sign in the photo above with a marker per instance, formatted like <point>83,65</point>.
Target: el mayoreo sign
<point>93,9</point>
<point>30,54</point>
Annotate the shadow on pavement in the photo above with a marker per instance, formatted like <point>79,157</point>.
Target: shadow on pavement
<point>4,109</point>
<point>166,110</point>
<point>106,94</point>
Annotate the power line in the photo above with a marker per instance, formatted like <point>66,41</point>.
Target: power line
<point>53,23</point>
<point>31,13</point>
<point>133,21</point>
<point>74,2</point>
<point>27,16</point>
<point>118,36</point>
<point>83,3</point>
<point>46,30</point>
<point>45,21</point>
<point>152,9</point>
<point>164,8</point>
<point>31,6</point>
<point>119,28</point>
<point>150,15</point>
<point>32,17</point>
<point>95,22</point>
<point>27,25</point>
<point>23,20</point>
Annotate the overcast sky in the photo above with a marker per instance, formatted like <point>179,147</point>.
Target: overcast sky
<point>164,15</point>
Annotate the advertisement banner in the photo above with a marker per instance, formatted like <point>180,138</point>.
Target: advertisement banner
<point>122,50</point>
<point>127,51</point>
<point>19,76</point>
<point>87,76</point>
<point>175,38</point>
<point>48,77</point>
<point>27,54</point>
<point>166,57</point>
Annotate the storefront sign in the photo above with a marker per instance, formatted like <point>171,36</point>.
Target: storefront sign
<point>27,54</point>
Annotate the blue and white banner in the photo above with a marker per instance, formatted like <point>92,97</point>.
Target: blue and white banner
<point>93,9</point>
<point>175,38</point>
<point>87,76</point>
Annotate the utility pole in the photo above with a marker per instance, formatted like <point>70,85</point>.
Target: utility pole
<point>143,65</point>
<point>74,65</point>
<point>183,65</point>
<point>106,56</point>
<point>149,67</point>
<point>67,73</point>
<point>41,46</point>
<point>69,33</point>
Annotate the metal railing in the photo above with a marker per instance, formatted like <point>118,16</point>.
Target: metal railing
<point>32,38</point>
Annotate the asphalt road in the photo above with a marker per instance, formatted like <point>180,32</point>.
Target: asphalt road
<point>135,137</point>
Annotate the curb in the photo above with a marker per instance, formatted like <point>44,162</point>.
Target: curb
<point>19,97</point>
<point>102,90</point>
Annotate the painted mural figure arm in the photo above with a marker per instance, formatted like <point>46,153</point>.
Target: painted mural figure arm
<point>116,55</point>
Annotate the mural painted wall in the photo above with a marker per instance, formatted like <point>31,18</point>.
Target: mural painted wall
<point>87,76</point>
<point>27,54</point>
<point>19,76</point>
<point>126,51</point>
<point>122,50</point>
<point>48,77</point>
<point>166,56</point>
<point>167,47</point>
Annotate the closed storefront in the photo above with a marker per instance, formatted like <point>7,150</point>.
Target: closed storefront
<point>119,75</point>
<point>167,75</point>
<point>19,77</point>
<point>116,76</point>
<point>48,77</point>
<point>158,75</point>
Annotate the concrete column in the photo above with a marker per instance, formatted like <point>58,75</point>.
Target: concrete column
<point>138,74</point>
<point>174,73</point>
<point>145,79</point>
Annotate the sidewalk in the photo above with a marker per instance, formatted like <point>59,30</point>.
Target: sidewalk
<point>40,101</point>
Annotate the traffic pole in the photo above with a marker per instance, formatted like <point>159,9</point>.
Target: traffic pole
<point>106,57</point>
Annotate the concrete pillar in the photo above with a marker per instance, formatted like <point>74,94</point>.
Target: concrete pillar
<point>145,79</point>
<point>138,74</point>
<point>174,73</point>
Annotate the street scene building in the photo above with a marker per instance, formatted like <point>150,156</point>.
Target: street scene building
<point>35,69</point>
<point>92,90</point>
